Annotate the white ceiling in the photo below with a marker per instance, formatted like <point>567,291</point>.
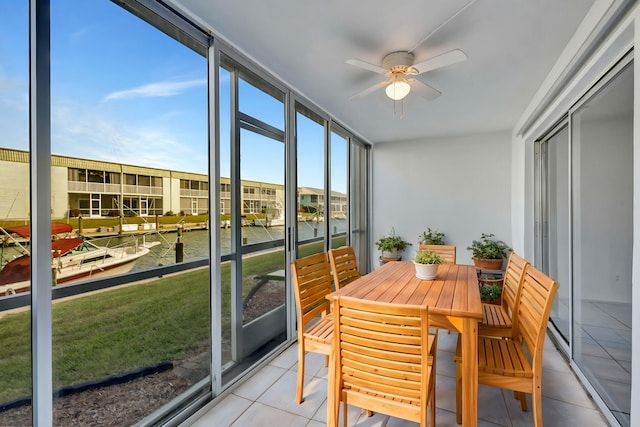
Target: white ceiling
<point>511,45</point>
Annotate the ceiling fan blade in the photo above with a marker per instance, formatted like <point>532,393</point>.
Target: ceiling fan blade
<point>447,58</point>
<point>366,66</point>
<point>369,90</point>
<point>424,90</point>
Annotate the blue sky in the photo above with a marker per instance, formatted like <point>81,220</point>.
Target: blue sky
<point>122,91</point>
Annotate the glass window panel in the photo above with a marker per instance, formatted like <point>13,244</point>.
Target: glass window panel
<point>602,185</point>
<point>15,325</point>
<point>144,180</point>
<point>263,103</point>
<point>311,178</point>
<point>338,213</point>
<point>358,175</point>
<point>225,161</point>
<point>557,262</point>
<point>127,105</point>
<point>262,214</point>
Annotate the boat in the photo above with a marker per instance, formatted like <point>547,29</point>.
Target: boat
<point>73,258</point>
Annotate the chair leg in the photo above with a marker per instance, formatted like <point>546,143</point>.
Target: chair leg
<point>433,407</point>
<point>523,400</point>
<point>300,381</point>
<point>344,414</point>
<point>536,402</point>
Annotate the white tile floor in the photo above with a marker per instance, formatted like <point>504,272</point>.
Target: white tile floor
<point>268,397</point>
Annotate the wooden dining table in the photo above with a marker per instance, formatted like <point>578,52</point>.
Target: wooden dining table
<point>454,304</point>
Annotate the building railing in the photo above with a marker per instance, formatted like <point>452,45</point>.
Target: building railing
<point>138,189</point>
<point>187,192</point>
<point>99,187</point>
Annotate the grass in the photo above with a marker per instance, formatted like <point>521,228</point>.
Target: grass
<point>111,332</point>
<point>121,329</point>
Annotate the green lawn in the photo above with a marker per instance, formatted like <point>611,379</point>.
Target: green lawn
<point>114,331</point>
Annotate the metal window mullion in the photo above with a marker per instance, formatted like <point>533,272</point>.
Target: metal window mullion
<point>291,214</point>
<point>327,184</point>
<point>40,206</point>
<point>236,229</point>
<point>257,126</point>
<point>215,279</point>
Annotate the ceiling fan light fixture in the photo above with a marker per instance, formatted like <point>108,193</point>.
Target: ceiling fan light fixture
<point>398,89</point>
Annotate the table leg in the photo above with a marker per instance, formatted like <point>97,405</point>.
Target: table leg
<point>470,373</point>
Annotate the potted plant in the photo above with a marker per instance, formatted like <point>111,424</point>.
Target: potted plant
<point>488,252</point>
<point>491,293</point>
<point>431,237</point>
<point>390,246</point>
<point>426,263</point>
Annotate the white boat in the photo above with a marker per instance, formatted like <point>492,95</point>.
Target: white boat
<point>73,259</point>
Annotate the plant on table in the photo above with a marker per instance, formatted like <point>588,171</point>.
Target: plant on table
<point>427,257</point>
<point>431,237</point>
<point>426,263</point>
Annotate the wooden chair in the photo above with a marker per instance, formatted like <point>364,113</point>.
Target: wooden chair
<point>311,284</point>
<point>382,359</point>
<point>446,252</point>
<point>497,320</point>
<point>344,266</point>
<point>504,363</point>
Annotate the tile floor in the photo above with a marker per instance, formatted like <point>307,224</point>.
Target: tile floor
<point>268,397</point>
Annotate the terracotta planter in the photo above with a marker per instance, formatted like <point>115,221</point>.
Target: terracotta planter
<point>426,271</point>
<point>488,264</point>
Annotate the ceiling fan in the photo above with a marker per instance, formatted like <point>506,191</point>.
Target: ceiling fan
<point>398,66</point>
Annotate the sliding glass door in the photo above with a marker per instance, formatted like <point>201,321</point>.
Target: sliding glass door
<point>585,206</point>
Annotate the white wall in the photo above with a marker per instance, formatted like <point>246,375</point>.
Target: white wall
<point>459,185</point>
<point>59,192</point>
<point>14,197</point>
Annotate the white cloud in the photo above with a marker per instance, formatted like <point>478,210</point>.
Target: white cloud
<point>166,88</point>
<point>91,134</point>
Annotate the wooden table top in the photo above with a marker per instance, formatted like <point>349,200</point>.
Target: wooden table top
<point>454,292</point>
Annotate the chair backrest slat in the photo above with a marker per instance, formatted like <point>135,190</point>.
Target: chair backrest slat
<point>446,252</point>
<point>311,283</point>
<point>513,277</point>
<point>383,348</point>
<point>534,306</point>
<point>344,266</point>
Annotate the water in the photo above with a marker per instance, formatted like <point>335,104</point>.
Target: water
<point>196,242</point>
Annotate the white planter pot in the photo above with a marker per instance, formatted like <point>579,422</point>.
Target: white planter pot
<point>426,271</point>
<point>392,254</point>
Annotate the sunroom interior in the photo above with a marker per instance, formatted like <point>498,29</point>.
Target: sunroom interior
<point>519,122</point>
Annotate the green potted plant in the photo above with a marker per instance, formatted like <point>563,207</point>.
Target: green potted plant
<point>488,252</point>
<point>431,237</point>
<point>426,263</point>
<point>490,293</point>
<point>390,246</point>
